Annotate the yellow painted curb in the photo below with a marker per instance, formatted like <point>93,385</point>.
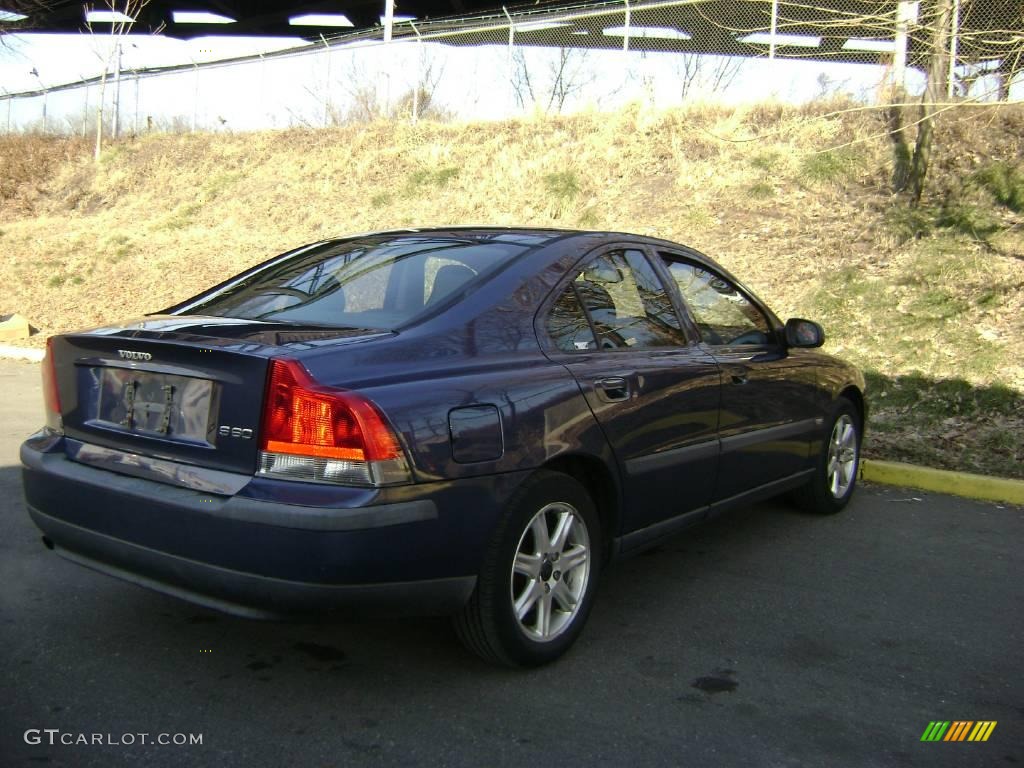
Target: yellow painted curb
<point>943,481</point>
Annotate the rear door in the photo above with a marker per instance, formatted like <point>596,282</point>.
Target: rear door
<point>769,398</point>
<point>652,388</point>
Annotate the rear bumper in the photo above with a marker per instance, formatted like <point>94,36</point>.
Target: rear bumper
<point>409,550</point>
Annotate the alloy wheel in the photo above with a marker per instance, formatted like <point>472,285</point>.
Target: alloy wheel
<point>842,456</point>
<point>550,571</point>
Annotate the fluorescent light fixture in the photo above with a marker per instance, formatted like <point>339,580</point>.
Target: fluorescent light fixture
<point>107,17</point>
<point>539,26</point>
<point>320,20</point>
<point>865,44</point>
<point>580,32</point>
<point>200,17</point>
<point>797,41</point>
<point>655,33</point>
<point>399,19</point>
<point>9,16</point>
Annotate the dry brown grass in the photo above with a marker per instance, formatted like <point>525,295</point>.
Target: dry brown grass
<point>163,216</point>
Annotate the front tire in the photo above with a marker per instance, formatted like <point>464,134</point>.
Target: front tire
<point>835,473</point>
<point>537,583</point>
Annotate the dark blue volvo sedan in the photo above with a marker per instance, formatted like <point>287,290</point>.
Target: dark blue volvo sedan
<point>462,421</point>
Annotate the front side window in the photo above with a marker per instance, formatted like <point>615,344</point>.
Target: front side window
<point>723,315</point>
<point>625,305</point>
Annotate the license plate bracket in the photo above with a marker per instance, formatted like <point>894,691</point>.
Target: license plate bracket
<point>156,404</point>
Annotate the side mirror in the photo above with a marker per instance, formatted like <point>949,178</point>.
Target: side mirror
<point>804,333</point>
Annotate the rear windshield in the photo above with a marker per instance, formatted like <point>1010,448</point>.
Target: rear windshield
<point>373,282</point>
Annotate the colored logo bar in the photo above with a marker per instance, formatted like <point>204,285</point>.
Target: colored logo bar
<point>958,730</point>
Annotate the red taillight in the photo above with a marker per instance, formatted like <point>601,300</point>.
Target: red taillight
<point>345,431</point>
<point>51,395</point>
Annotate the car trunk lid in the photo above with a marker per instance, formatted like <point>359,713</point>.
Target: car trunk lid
<point>187,390</point>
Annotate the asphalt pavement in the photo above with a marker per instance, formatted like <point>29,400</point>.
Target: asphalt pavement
<point>766,638</point>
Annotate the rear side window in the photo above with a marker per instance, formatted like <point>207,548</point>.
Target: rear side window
<point>616,301</point>
<point>374,282</point>
<point>567,324</point>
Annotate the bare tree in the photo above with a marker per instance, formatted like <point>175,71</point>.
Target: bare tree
<point>122,17</point>
<point>704,72</point>
<point>565,75</point>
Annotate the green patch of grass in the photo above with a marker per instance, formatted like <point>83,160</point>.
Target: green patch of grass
<point>904,223</point>
<point>1005,182</point>
<point>934,304</point>
<point>182,216</point>
<point>945,423</point>
<point>56,281</point>
<point>426,178</point>
<point>216,184</point>
<point>117,247</point>
<point>697,218</point>
<point>767,162</point>
<point>381,200</point>
<point>588,217</point>
<point>562,185</point>
<point>761,190</point>
<point>832,166</point>
<point>970,219</point>
<point>77,279</point>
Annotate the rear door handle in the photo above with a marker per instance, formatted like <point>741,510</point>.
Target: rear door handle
<point>613,389</point>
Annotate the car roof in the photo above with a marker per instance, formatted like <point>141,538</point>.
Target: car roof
<point>536,236</point>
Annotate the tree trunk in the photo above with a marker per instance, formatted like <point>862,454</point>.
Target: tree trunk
<point>901,157</point>
<point>938,68</point>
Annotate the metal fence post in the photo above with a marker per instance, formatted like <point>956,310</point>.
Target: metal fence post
<point>419,74</point>
<point>135,125</point>
<point>117,93</point>
<point>773,31</point>
<point>389,19</point>
<point>511,73</point>
<point>195,97</point>
<point>85,108</point>
<point>906,11</point>
<point>625,29</point>
<point>327,81</point>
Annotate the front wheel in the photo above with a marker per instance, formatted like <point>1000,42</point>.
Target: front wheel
<point>835,473</point>
<point>537,583</point>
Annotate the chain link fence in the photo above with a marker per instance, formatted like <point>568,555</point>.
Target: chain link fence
<point>544,59</point>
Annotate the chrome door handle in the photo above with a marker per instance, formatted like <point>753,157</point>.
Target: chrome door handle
<point>613,389</point>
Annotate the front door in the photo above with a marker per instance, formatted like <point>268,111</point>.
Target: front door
<point>769,401</point>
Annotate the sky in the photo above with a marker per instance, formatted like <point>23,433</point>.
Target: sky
<point>303,90</point>
<point>66,58</point>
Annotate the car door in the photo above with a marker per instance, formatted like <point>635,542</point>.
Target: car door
<point>652,387</point>
<point>769,399</point>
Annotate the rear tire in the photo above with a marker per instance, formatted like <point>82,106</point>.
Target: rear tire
<point>835,471</point>
<point>539,575</point>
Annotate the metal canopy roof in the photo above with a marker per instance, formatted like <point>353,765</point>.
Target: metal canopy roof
<point>708,26</point>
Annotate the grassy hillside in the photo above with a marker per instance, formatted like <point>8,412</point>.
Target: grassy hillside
<point>794,200</point>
